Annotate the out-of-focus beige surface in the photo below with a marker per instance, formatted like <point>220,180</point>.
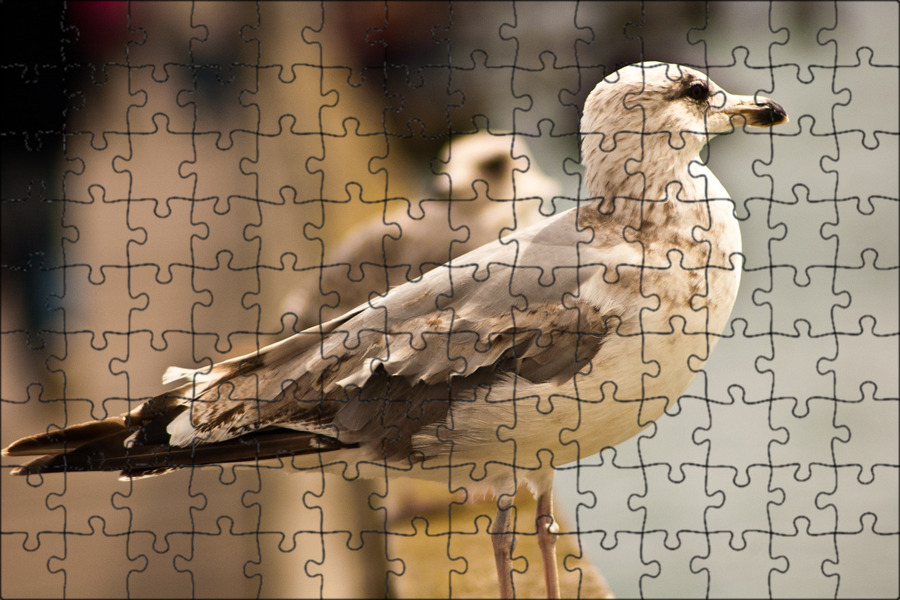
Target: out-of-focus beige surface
<point>447,552</point>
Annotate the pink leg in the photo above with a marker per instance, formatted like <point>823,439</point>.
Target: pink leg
<point>504,539</point>
<point>547,530</point>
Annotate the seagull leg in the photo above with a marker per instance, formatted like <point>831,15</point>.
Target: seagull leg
<point>547,530</point>
<point>504,540</point>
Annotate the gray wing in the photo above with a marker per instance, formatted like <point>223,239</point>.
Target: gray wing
<point>381,373</point>
<point>384,377</point>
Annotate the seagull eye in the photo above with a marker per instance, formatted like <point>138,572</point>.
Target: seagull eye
<point>697,91</point>
<point>494,166</point>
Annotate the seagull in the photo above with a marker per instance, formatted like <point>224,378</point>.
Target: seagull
<point>492,158</point>
<point>528,353</point>
<point>403,244</point>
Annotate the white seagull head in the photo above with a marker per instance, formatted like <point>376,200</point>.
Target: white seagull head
<point>672,100</point>
<point>661,114</point>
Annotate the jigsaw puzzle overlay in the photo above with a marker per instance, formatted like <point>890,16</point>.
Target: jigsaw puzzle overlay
<point>184,183</point>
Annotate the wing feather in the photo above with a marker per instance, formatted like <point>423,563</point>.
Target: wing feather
<point>381,373</point>
<point>405,369</point>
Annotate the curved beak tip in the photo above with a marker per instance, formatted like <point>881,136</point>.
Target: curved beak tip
<point>776,113</point>
<point>767,113</point>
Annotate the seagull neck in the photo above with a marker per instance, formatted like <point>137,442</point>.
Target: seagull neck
<point>633,188</point>
<point>663,207</point>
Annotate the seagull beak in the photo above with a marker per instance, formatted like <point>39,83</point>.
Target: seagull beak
<point>757,111</point>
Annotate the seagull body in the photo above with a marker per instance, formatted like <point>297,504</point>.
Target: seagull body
<point>533,351</point>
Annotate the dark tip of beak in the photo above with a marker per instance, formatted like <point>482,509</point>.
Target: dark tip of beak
<point>772,113</point>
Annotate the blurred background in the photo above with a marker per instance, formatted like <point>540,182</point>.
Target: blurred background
<point>174,175</point>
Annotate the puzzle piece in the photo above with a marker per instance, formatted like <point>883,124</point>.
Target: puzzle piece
<point>755,556</point>
<point>806,568</point>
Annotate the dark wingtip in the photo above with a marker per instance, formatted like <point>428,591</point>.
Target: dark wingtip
<point>31,445</point>
<point>64,440</point>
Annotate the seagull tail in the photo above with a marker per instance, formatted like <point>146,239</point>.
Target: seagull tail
<point>136,444</point>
